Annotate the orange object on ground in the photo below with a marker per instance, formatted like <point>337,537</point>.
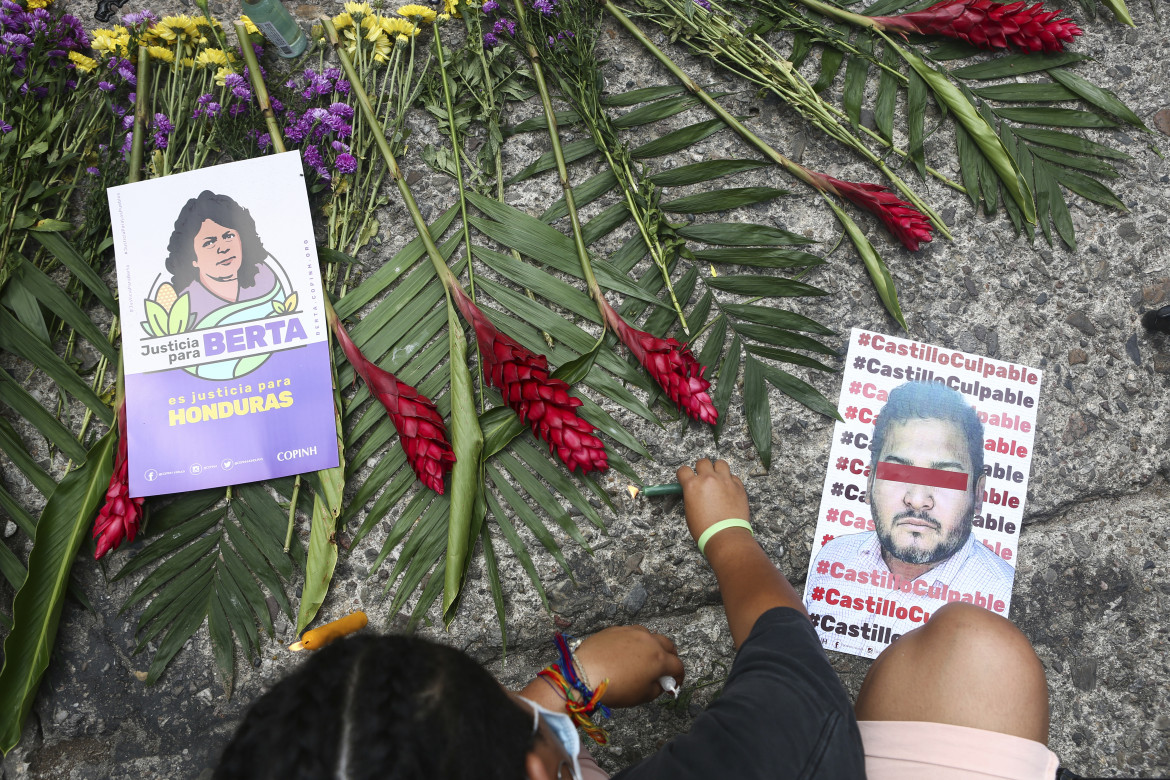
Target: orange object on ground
<point>319,637</point>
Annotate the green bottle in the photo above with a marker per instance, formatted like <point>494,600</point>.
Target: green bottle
<point>277,25</point>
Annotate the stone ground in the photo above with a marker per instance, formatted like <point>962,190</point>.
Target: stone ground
<point>1092,585</point>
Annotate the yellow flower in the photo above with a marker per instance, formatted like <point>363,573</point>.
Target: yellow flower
<point>83,63</point>
<point>170,28</point>
<point>427,15</point>
<point>394,25</point>
<point>37,4</point>
<point>358,8</point>
<point>249,25</point>
<point>161,53</point>
<point>187,62</point>
<point>209,57</point>
<point>341,21</point>
<point>451,7</point>
<point>373,27</point>
<point>203,21</point>
<point>382,49</point>
<point>222,74</point>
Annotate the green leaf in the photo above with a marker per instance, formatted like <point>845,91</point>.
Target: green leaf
<point>500,425</point>
<point>573,151</point>
<point>467,440</point>
<point>657,111</point>
<point>725,383</point>
<point>1069,142</point>
<point>916,94</point>
<point>741,234</point>
<point>830,63</point>
<point>19,340</point>
<point>764,286</point>
<point>36,609</point>
<point>1025,93</point>
<point>583,194</point>
<point>69,257</point>
<point>722,200</point>
<point>1057,117</point>
<point>20,401</point>
<point>697,173</point>
<point>322,556</point>
<point>856,74</point>
<point>1016,65</point>
<point>222,647</point>
<point>759,257</point>
<point>677,140</point>
<point>180,314</point>
<point>1120,12</point>
<point>878,273</point>
<point>755,403</point>
<point>496,512</point>
<point>156,315</point>
<point>1087,187</point>
<point>887,97</point>
<point>800,391</point>
<point>11,445</point>
<point>950,97</point>
<point>776,318</point>
<point>640,95</point>
<point>64,307</point>
<point>1096,96</point>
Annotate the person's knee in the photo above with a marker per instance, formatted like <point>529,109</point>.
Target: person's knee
<point>975,631</point>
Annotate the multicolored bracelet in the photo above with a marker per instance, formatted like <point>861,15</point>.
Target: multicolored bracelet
<point>564,676</point>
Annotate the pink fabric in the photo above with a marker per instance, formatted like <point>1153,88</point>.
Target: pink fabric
<point>911,750</point>
<point>589,768</point>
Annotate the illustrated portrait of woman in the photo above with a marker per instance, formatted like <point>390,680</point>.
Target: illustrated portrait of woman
<point>216,256</point>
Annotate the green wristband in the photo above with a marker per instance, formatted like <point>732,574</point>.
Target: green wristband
<point>722,525</point>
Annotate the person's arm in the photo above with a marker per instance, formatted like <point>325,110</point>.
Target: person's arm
<point>631,658</point>
<point>749,582</point>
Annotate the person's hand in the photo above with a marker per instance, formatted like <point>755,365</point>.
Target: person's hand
<point>711,493</point>
<point>632,658</point>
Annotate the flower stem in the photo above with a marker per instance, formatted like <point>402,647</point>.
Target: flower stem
<point>420,224</point>
<point>140,113</point>
<point>258,85</point>
<point>455,153</point>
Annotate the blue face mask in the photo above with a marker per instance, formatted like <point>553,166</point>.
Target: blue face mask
<point>562,727</point>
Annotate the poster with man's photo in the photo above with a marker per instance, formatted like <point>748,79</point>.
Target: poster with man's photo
<point>924,494</point>
<point>224,336</point>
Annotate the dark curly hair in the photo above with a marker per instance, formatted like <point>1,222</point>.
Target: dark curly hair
<point>930,401</point>
<point>382,707</point>
<point>221,210</point>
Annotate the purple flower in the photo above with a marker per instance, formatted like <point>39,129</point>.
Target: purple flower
<point>162,124</point>
<point>345,163</point>
<point>343,110</point>
<point>242,92</point>
<point>127,74</point>
<point>233,80</point>
<point>504,27</point>
<point>5,127</point>
<point>332,73</point>
<point>139,17</point>
<point>160,141</point>
<point>106,86</point>
<point>343,87</point>
<point>546,7</point>
<point>70,84</point>
<point>93,171</point>
<point>126,143</point>
<point>338,146</point>
<point>704,4</point>
<point>490,41</point>
<point>237,109</point>
<point>127,121</point>
<point>277,106</point>
<point>490,7</point>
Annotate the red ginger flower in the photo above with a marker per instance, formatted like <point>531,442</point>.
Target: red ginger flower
<point>419,426</point>
<point>540,400</point>
<point>989,25</point>
<point>671,364</point>
<point>121,515</point>
<point>908,224</point>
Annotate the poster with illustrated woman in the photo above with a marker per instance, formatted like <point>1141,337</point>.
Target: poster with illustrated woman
<point>224,338</point>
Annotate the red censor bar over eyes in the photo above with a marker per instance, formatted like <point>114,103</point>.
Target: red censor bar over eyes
<point>916,475</point>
